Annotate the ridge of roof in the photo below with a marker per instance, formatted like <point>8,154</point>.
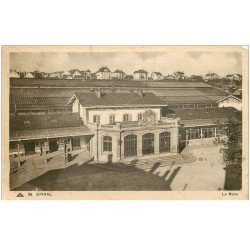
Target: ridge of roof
<point>118,99</point>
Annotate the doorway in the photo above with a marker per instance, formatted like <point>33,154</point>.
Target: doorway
<point>53,145</point>
<point>29,148</point>
<point>148,144</point>
<point>130,145</point>
<point>76,144</point>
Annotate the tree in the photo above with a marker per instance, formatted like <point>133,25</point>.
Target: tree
<point>232,151</point>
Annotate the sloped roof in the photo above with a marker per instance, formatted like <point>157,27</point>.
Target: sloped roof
<point>30,122</point>
<point>140,71</point>
<point>49,133</point>
<point>29,75</point>
<point>237,92</point>
<point>14,74</point>
<point>103,69</point>
<point>157,73</point>
<point>200,116</point>
<point>179,72</point>
<point>47,101</point>
<point>119,71</point>
<point>39,103</point>
<point>230,96</point>
<point>211,74</point>
<point>119,99</point>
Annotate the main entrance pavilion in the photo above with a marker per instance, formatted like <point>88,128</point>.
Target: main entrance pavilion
<point>119,141</point>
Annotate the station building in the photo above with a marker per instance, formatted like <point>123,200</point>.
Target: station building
<point>126,124</point>
<point>114,126</point>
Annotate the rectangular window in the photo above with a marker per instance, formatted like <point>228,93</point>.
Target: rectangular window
<point>193,134</point>
<point>96,119</point>
<point>107,144</point>
<point>205,133</point>
<point>112,119</point>
<point>208,132</point>
<point>126,118</point>
<point>13,145</point>
<point>140,117</point>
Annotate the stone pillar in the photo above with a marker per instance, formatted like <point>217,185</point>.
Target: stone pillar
<point>139,145</point>
<point>45,149</point>
<point>91,146</point>
<point>215,132</point>
<point>95,145</point>
<point>18,156</point>
<point>174,139</point>
<point>119,142</point>
<point>156,143</point>
<point>115,145</point>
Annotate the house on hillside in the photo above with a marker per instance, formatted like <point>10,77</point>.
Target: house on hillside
<point>29,75</point>
<point>87,74</point>
<point>211,76</point>
<point>231,101</point>
<point>157,76</point>
<point>195,78</point>
<point>140,74</point>
<point>238,93</point>
<point>77,75</point>
<point>39,74</point>
<point>234,77</point>
<point>14,74</point>
<point>118,74</point>
<point>103,73</point>
<point>179,75</point>
<point>169,78</point>
<point>55,75</point>
<point>66,75</point>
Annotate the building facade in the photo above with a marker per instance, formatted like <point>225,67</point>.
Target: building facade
<point>157,76</point>
<point>103,73</point>
<point>231,101</point>
<point>126,124</point>
<point>140,75</point>
<point>211,76</point>
<point>46,134</point>
<point>234,77</point>
<point>118,75</point>
<point>179,75</point>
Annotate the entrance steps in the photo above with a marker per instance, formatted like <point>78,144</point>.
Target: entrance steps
<point>162,160</point>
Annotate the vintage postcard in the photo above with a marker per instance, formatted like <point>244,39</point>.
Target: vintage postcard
<point>125,122</point>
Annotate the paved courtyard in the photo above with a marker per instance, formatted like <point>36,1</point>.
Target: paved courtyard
<point>198,169</point>
<point>204,174</point>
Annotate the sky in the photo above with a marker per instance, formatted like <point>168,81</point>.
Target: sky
<point>198,63</point>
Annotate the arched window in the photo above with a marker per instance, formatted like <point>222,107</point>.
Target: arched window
<point>148,144</point>
<point>107,144</point>
<point>164,139</point>
<point>130,145</point>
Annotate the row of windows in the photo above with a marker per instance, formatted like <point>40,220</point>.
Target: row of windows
<point>197,133</point>
<point>130,142</point>
<point>112,120</point>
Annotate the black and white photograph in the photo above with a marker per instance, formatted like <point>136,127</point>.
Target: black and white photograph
<point>126,118</point>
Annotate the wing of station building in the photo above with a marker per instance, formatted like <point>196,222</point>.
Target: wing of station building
<point>201,117</point>
<point>31,127</point>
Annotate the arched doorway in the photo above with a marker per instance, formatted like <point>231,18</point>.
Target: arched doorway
<point>148,144</point>
<point>130,145</point>
<point>164,139</point>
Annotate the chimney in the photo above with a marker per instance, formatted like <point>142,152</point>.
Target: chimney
<point>98,93</point>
